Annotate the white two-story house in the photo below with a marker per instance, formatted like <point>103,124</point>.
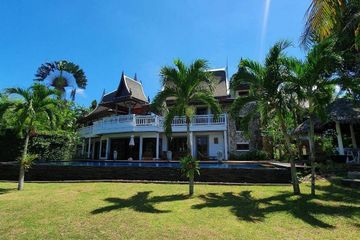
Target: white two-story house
<point>122,127</point>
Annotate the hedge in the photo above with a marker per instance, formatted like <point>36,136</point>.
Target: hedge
<point>47,147</point>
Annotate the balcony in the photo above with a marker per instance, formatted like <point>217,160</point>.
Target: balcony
<point>152,123</point>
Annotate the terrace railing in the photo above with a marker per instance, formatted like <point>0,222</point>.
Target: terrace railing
<point>130,122</point>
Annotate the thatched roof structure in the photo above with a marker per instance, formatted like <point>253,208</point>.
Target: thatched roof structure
<point>341,110</point>
<point>345,111</point>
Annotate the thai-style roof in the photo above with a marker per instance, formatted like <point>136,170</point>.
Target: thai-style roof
<point>341,110</point>
<point>129,93</point>
<point>221,84</point>
<point>128,88</point>
<point>221,87</point>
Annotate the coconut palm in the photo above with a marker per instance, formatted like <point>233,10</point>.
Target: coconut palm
<point>327,18</point>
<point>267,95</point>
<point>314,79</point>
<point>62,74</point>
<point>187,85</point>
<point>35,104</point>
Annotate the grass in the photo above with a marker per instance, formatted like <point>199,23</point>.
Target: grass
<point>163,211</point>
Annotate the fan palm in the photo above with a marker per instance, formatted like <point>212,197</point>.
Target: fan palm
<point>62,74</point>
<point>187,85</point>
<point>267,94</point>
<point>314,79</point>
<point>35,104</point>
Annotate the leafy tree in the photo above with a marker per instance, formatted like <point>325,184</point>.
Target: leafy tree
<point>314,80</point>
<point>190,167</point>
<point>267,93</point>
<point>187,85</point>
<point>35,104</point>
<point>62,74</point>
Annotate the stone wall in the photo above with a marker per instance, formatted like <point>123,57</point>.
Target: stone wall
<point>254,138</point>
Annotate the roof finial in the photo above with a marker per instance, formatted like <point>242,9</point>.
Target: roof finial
<point>148,99</point>
<point>135,77</point>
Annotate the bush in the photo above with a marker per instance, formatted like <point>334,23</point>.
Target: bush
<point>49,146</point>
<point>250,156</point>
<point>54,147</point>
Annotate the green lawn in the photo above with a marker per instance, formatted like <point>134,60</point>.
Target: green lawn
<point>163,211</point>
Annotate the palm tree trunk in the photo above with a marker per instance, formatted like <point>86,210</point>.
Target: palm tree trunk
<point>312,153</point>
<point>191,185</point>
<point>294,179</point>
<point>22,162</point>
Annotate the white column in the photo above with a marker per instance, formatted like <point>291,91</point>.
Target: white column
<point>353,139</point>
<point>89,148</point>
<point>225,146</point>
<point>83,147</point>
<point>107,148</point>
<point>157,145</point>
<point>339,138</point>
<point>140,147</point>
<point>100,147</point>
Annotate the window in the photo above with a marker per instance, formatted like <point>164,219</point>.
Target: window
<point>242,146</point>
<point>216,140</point>
<point>243,93</point>
<point>201,111</point>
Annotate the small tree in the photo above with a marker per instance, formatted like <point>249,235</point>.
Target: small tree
<point>35,106</point>
<point>190,167</point>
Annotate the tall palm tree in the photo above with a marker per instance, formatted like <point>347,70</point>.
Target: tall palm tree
<point>267,94</point>
<point>62,74</point>
<point>187,85</point>
<point>314,79</point>
<point>36,104</point>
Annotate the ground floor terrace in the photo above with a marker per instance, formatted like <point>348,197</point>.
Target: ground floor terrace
<point>155,146</point>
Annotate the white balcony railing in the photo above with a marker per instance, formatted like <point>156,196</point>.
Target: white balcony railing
<point>126,123</point>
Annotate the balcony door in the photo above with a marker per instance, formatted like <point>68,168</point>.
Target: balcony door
<point>202,147</point>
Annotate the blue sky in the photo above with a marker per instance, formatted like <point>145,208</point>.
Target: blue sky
<point>111,36</point>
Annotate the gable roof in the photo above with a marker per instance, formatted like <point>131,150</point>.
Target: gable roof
<point>128,89</point>
<point>221,85</point>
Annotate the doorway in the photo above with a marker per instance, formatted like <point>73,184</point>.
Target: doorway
<point>202,147</point>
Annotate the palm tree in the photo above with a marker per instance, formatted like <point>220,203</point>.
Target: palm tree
<point>62,74</point>
<point>267,94</point>
<point>35,104</point>
<point>315,79</point>
<point>326,18</point>
<point>187,85</point>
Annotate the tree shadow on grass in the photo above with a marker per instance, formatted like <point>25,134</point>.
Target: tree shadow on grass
<point>6,190</point>
<point>140,202</point>
<point>304,207</point>
<point>242,205</point>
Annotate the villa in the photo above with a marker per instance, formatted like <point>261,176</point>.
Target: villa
<point>122,126</point>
